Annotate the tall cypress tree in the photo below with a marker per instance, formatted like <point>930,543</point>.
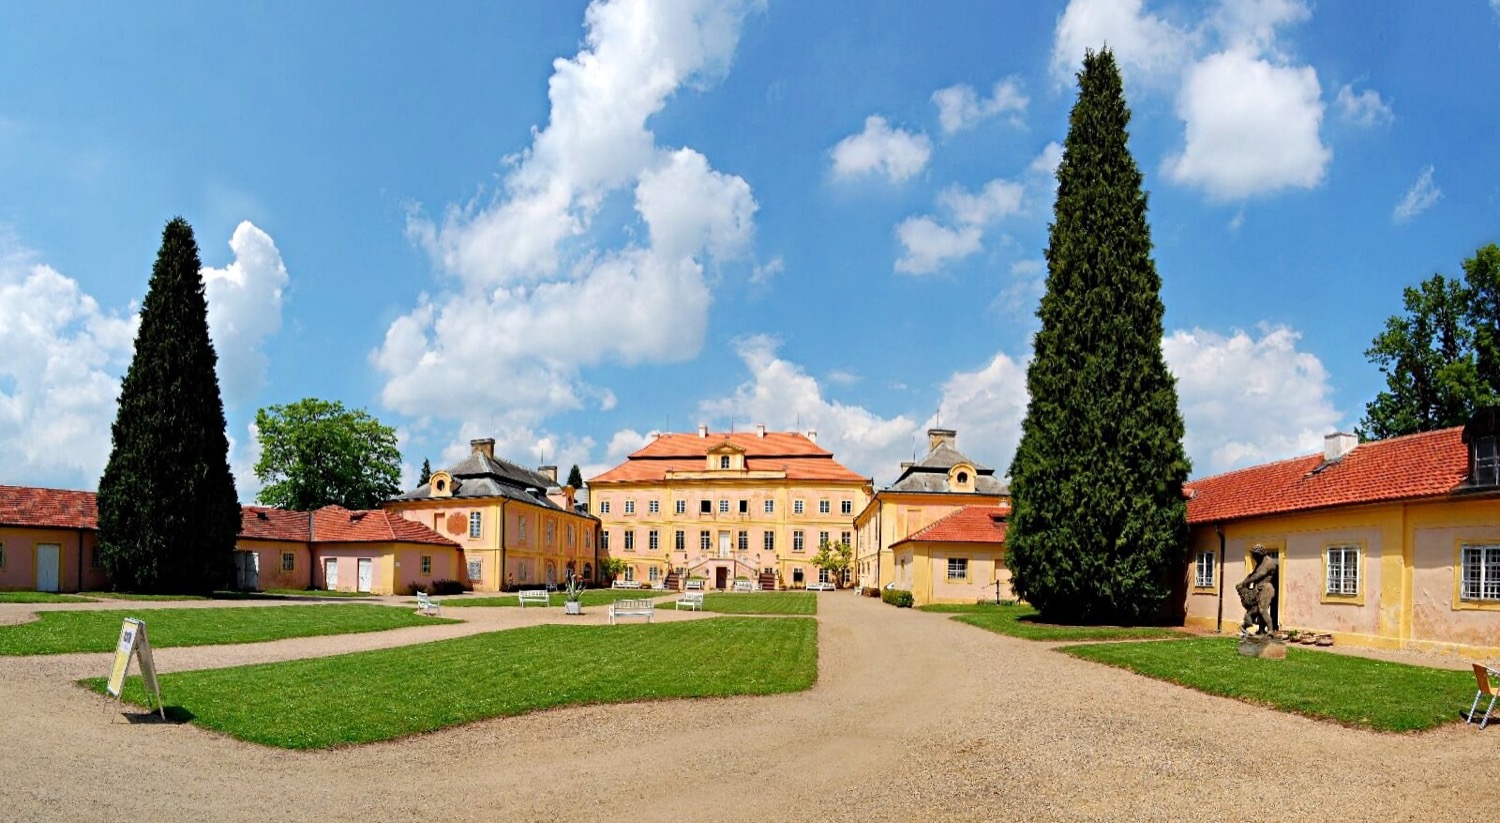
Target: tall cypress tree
<point>1099,526</point>
<point>168,512</point>
<point>575,477</point>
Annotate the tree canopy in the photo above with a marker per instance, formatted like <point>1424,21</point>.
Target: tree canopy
<point>168,511</point>
<point>426,474</point>
<point>315,453</point>
<point>575,477</point>
<point>837,558</point>
<point>1099,525</point>
<point>1441,358</point>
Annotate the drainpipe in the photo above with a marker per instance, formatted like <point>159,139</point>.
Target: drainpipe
<point>1219,530</point>
<point>500,579</point>
<point>80,561</point>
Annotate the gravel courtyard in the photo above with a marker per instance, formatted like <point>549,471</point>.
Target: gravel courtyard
<point>914,718</point>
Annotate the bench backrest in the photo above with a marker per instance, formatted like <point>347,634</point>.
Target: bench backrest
<point>533,594</point>
<point>694,585</point>
<point>692,597</point>
<point>633,605</point>
<point>742,586</point>
<point>423,599</point>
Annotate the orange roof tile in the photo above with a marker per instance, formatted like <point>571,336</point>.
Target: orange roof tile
<point>799,457</point>
<point>970,524</point>
<point>336,524</point>
<point>265,523</point>
<point>1418,465</point>
<point>50,508</point>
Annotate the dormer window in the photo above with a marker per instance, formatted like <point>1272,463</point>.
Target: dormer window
<point>963,477</point>
<point>442,484</point>
<point>723,461</point>
<point>1482,436</point>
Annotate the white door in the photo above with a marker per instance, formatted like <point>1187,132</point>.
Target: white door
<point>331,573</point>
<point>48,556</point>
<point>723,544</point>
<point>366,571</point>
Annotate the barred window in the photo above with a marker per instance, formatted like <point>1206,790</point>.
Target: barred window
<point>1203,576</point>
<point>958,568</point>
<point>1480,573</point>
<point>1343,570</point>
<point>476,524</point>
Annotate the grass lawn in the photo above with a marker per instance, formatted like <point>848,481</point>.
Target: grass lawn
<point>42,597</point>
<point>317,593</point>
<point>90,631</point>
<point>1018,621</point>
<point>129,596</point>
<point>1354,691</point>
<point>761,602</point>
<point>591,597</point>
<point>379,695</point>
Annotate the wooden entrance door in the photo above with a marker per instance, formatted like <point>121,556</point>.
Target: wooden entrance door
<point>48,562</point>
<point>721,578</point>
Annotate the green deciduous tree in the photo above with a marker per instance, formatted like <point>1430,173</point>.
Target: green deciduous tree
<point>317,453</point>
<point>575,477</point>
<point>1099,527</point>
<point>837,558</point>
<point>168,511</point>
<point>1441,358</point>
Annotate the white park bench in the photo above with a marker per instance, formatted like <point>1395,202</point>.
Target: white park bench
<point>743,586</point>
<point>536,597</point>
<point>631,608</point>
<point>693,586</point>
<point>624,584</point>
<point>820,587</point>
<point>426,605</point>
<point>693,601</point>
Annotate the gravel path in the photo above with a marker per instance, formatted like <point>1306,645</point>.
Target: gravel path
<point>914,718</point>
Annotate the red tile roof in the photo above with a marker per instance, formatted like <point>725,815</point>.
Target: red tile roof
<point>264,523</point>
<point>336,524</point>
<point>52,508</point>
<point>798,456</point>
<point>970,524</point>
<point>1401,468</point>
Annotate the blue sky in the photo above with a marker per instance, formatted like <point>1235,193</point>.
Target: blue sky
<point>566,225</point>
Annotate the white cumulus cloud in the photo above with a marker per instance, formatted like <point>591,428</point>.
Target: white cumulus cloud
<point>929,244</point>
<point>1365,109</point>
<point>539,291</point>
<point>1419,198</point>
<point>1248,399</point>
<point>960,107</point>
<point>1150,49</point>
<point>879,149</point>
<point>1251,127</point>
<point>244,308</point>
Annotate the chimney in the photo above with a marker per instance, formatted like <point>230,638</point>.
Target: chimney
<point>942,437</point>
<point>812,434</point>
<point>1338,444</point>
<point>760,429</point>
<point>549,472</point>
<point>703,430</point>
<point>485,447</point>
<point>906,464</point>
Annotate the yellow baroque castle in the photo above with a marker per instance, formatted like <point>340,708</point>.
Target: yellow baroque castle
<point>725,507</point>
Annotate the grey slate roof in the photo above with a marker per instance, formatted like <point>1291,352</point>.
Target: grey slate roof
<point>480,475</point>
<point>930,474</point>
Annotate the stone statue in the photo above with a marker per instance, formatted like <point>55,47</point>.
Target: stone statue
<point>1256,592</point>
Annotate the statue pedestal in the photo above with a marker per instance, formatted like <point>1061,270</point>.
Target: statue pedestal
<point>1264,646</point>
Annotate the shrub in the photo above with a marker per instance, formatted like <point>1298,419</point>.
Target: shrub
<point>899,598</point>
<point>869,591</point>
<point>437,587</point>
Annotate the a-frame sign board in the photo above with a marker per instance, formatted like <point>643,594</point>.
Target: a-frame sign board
<point>133,643</point>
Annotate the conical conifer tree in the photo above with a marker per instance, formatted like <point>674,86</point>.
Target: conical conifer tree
<point>168,512</point>
<point>426,474</point>
<point>1099,528</point>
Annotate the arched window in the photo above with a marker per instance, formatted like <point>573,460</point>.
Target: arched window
<point>588,571</point>
<point>963,477</point>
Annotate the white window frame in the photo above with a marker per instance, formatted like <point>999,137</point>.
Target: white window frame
<point>604,507</point>
<point>824,507</point>
<point>705,541</point>
<point>723,461</point>
<point>742,541</point>
<point>604,540</point>
<point>799,540</point>
<point>653,540</point>
<point>476,525</point>
<point>653,573</point>
<point>724,506</point>
<point>1479,572</point>
<point>653,507</point>
<point>426,564</point>
<point>630,574</point>
<point>630,507</point>
<point>797,507</point>
<point>630,540</point>
<point>770,507</point>
<point>768,540</point>
<point>679,541</point>
<point>1338,579</point>
<point>958,569</point>
<point>846,507</point>
<point>681,507</point>
<point>1205,568</point>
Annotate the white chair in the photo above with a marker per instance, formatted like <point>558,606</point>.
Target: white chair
<point>1482,677</point>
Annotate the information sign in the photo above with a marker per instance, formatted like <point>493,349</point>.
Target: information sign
<point>134,643</point>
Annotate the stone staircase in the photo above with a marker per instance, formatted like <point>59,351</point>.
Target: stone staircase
<point>768,581</point>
